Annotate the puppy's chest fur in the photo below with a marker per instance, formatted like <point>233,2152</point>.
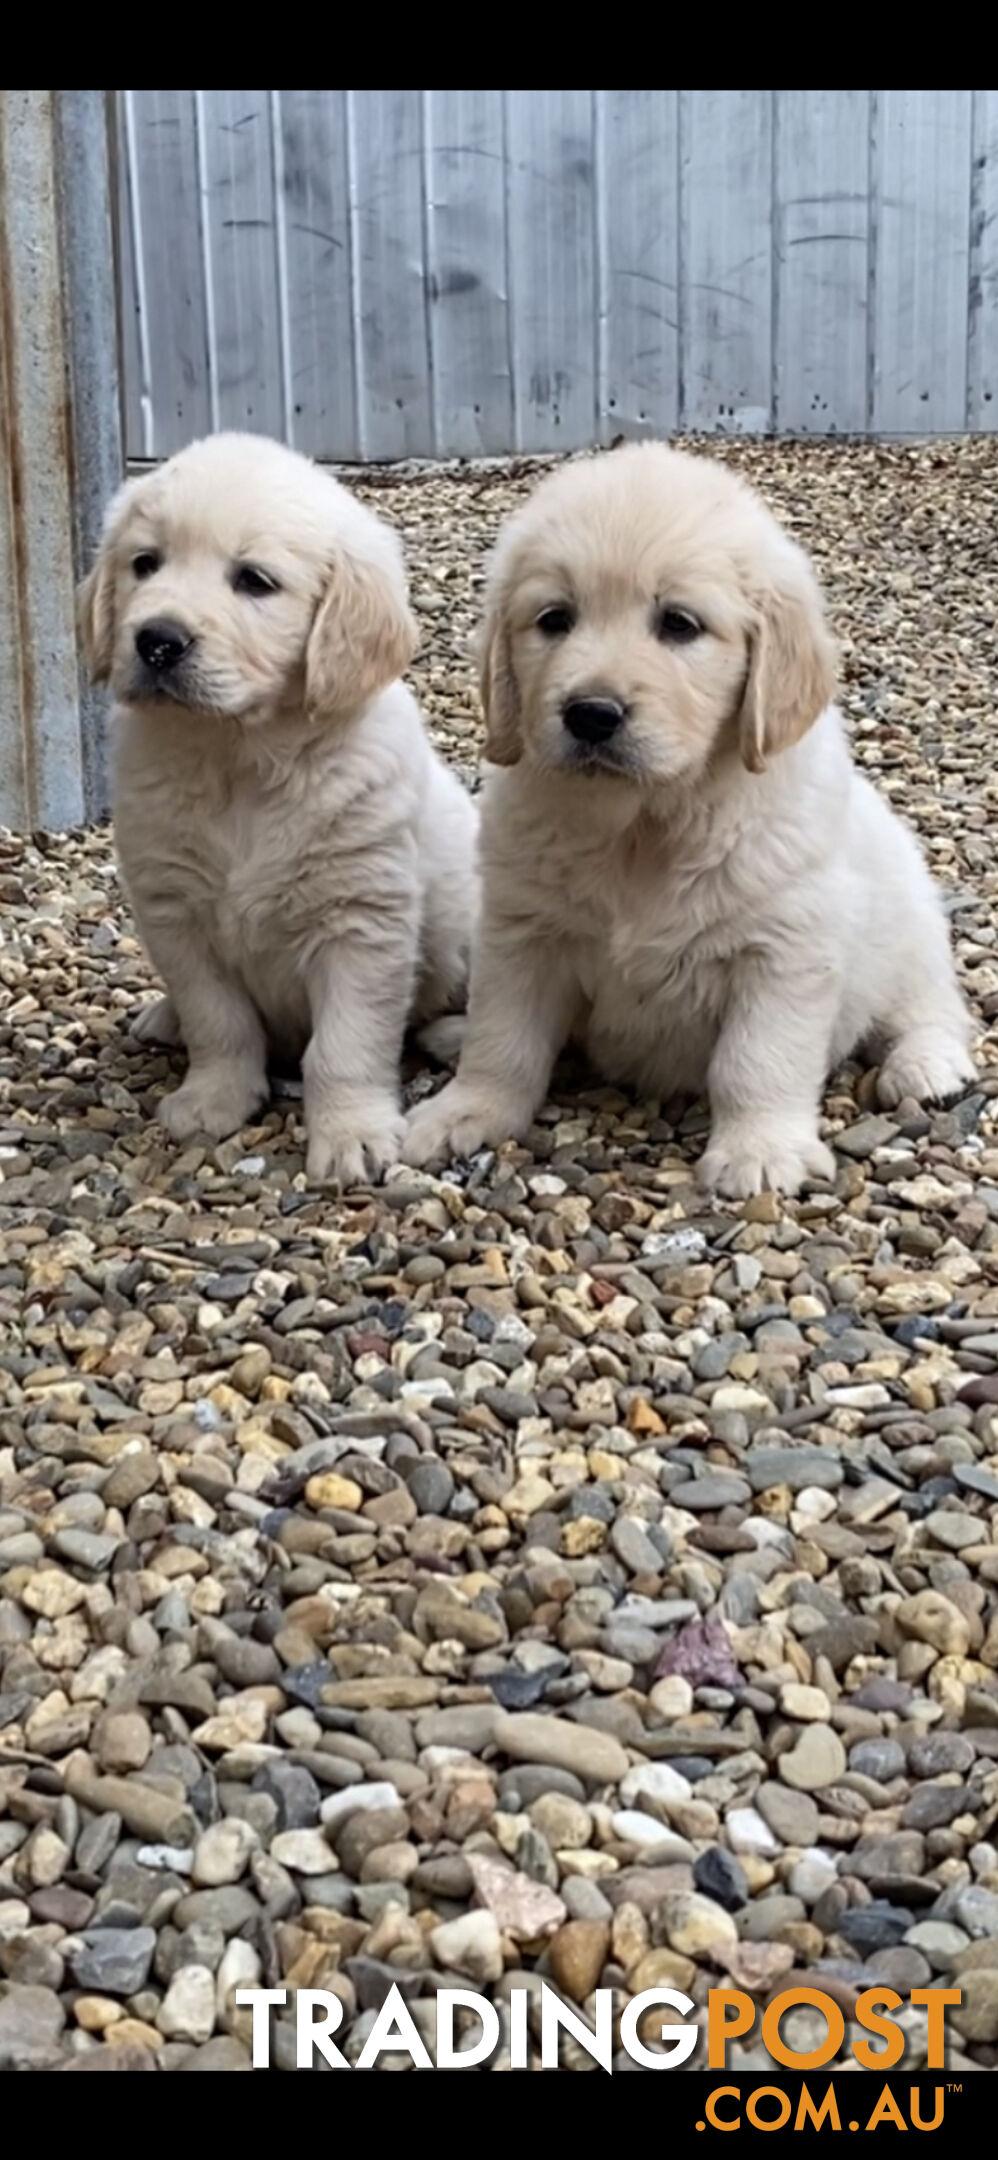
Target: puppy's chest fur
<point>653,923</point>
<point>261,865</point>
<point>655,974</point>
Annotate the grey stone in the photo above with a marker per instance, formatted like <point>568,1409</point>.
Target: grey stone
<point>113,1961</point>
<point>31,2021</point>
<point>794,1466</point>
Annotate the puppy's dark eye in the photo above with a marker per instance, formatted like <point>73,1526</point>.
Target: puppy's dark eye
<point>247,578</point>
<point>676,626</point>
<point>556,622</point>
<point>147,564</point>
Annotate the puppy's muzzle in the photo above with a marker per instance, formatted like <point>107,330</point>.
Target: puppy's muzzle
<point>162,645</point>
<point>593,720</point>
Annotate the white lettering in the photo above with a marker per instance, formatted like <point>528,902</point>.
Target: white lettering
<point>259,2000</point>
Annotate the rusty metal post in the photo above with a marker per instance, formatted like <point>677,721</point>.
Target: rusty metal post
<point>60,442</point>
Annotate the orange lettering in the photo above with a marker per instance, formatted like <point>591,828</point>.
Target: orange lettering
<point>716,2121</point>
<point>820,2055</point>
<point>776,2122</point>
<point>721,2029</point>
<point>936,2002</point>
<point>866,2015</point>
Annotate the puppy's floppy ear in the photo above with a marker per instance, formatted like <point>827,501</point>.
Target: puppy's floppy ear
<point>95,618</point>
<point>791,675</point>
<point>364,635</point>
<point>95,593</point>
<point>497,682</point>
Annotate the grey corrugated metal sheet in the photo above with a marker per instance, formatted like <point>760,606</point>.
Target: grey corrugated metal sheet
<point>381,274</point>
<point>60,448</point>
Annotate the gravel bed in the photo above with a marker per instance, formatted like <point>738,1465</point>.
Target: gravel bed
<point>542,1574</point>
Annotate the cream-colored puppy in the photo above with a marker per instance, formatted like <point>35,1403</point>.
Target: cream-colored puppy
<point>300,862</point>
<point>681,863</point>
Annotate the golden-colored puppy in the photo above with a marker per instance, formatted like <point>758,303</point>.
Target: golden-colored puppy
<point>300,862</point>
<point>680,862</point>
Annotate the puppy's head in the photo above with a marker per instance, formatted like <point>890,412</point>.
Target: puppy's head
<point>238,581</point>
<point>645,611</point>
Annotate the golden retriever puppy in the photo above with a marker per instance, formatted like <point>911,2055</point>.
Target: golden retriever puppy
<point>300,862</point>
<point>681,864</point>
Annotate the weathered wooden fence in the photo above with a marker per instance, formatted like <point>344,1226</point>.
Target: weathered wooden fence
<point>378,274</point>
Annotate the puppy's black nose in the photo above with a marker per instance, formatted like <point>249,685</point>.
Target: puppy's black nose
<point>593,720</point>
<point>161,645</point>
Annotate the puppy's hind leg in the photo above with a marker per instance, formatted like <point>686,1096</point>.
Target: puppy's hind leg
<point>442,1039</point>
<point>928,1028</point>
<point>438,1018</point>
<point>158,1023</point>
<point>928,1062</point>
<point>450,921</point>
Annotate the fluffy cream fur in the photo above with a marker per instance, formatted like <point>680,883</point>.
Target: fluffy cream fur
<point>300,863</point>
<point>713,897</point>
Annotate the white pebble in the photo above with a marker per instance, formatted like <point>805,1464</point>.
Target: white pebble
<point>352,1799</point>
<point>179,1859</point>
<point>637,1828</point>
<point>748,1833</point>
<point>654,1781</point>
<point>187,2011</point>
<point>812,1876</point>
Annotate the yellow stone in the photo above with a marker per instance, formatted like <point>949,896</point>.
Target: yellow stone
<point>528,1495</point>
<point>777,1500</point>
<point>584,1535</point>
<point>471,1586</point>
<point>327,1489</point>
<point>762,1208</point>
<point>133,2032</point>
<point>586,1861</point>
<point>568,1469</point>
<point>253,1438</point>
<point>52,1594</point>
<point>96,2012</point>
<point>641,1418</point>
<point>231,1404</point>
<point>244,1718</point>
<point>662,1969</point>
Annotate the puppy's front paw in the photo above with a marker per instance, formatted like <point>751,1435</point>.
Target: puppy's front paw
<point>742,1160</point>
<point>158,1023</point>
<point>214,1104</point>
<point>455,1124</point>
<point>927,1067</point>
<point>354,1146</point>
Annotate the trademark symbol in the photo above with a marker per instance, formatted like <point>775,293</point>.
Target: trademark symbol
<point>954,2088</point>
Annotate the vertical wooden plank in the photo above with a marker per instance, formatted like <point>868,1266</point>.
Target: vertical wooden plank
<point>466,271</point>
<point>551,209</point>
<point>821,238</point>
<point>639,297</point>
<point>165,227</point>
<point>42,771</point>
<point>921,208</point>
<point>86,156</point>
<point>315,193</point>
<point>136,406</point>
<point>726,270</point>
<point>982,358</point>
<point>240,238</point>
<point>390,294</point>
